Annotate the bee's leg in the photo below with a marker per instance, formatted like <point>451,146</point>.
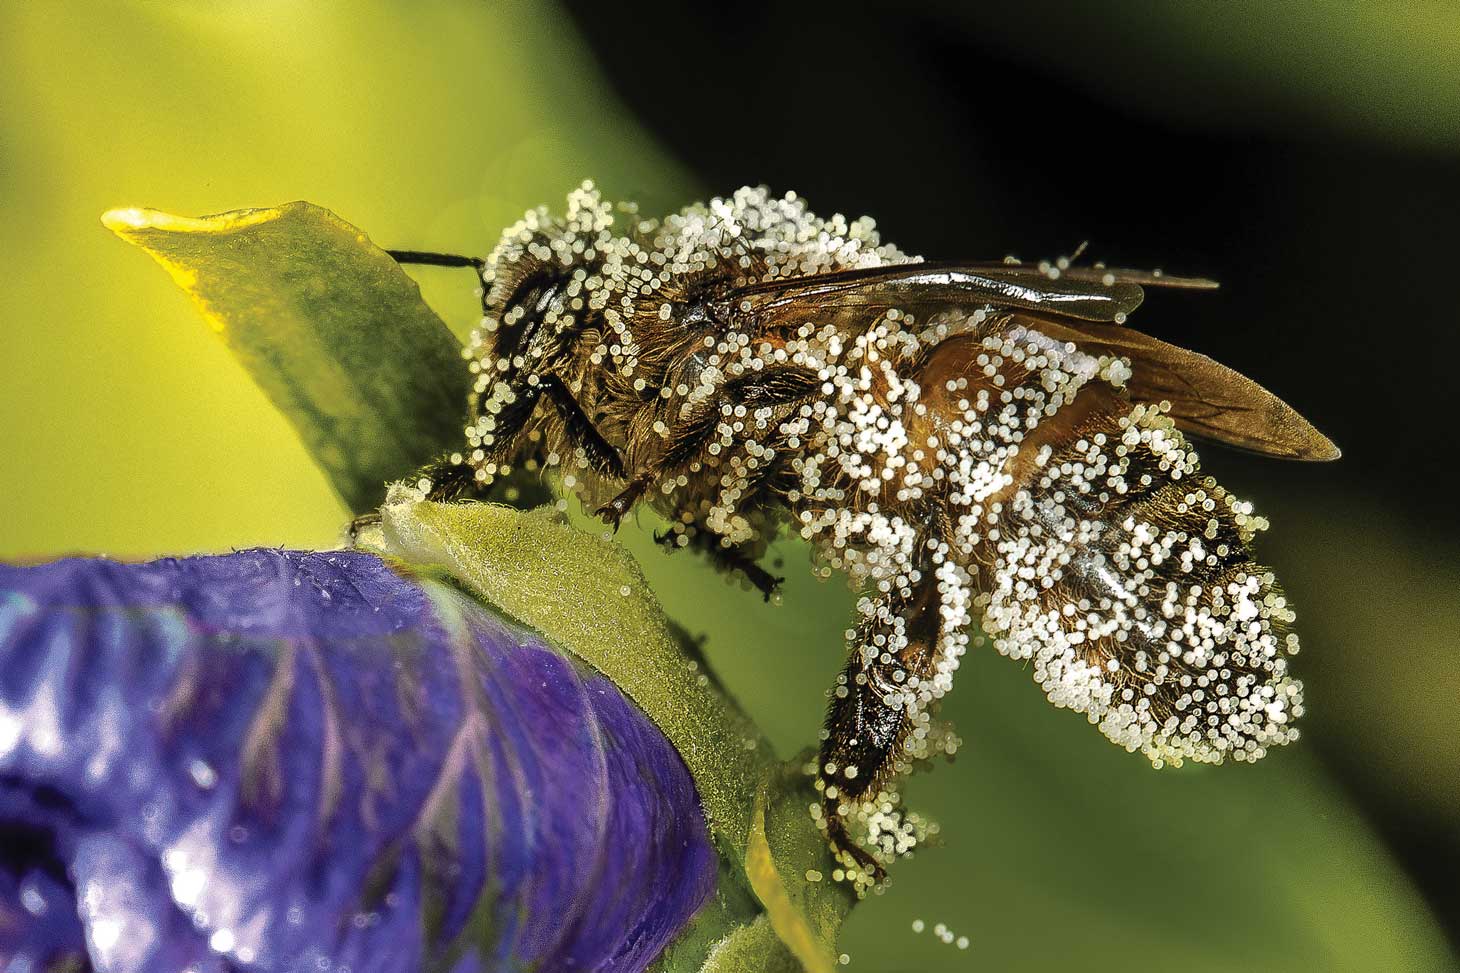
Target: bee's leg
<point>785,385</point>
<point>601,454</point>
<point>782,386</point>
<point>444,480</point>
<point>362,521</point>
<point>510,419</point>
<point>447,481</point>
<point>613,511</point>
<point>429,259</point>
<point>686,444</point>
<point>868,719</point>
<point>731,559</point>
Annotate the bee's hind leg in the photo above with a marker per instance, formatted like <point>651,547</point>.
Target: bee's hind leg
<point>870,716</point>
<point>613,511</point>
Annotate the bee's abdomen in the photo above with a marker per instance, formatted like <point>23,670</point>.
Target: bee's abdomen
<point>1128,580</point>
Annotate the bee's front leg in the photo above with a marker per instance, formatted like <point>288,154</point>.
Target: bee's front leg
<point>872,711</point>
<point>442,480</point>
<point>613,512</point>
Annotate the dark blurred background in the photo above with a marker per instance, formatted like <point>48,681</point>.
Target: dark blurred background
<point>1300,168</point>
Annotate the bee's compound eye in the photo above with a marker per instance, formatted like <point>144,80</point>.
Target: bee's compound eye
<point>534,293</point>
<point>546,295</point>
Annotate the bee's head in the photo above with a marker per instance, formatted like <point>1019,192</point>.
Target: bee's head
<point>529,276</point>
<point>526,302</point>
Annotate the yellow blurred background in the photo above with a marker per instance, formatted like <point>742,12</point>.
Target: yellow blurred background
<point>129,430</point>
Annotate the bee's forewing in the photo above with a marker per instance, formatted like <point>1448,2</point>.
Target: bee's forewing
<point>919,284</point>
<point>1207,398</point>
<point>1096,274</point>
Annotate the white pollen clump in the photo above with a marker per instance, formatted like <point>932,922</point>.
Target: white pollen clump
<point>934,456</point>
<point>1172,648</point>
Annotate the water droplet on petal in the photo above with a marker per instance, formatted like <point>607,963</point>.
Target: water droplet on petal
<point>202,774</point>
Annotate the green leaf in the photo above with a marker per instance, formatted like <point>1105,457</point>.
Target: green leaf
<point>753,948</point>
<point>331,328</point>
<point>589,596</point>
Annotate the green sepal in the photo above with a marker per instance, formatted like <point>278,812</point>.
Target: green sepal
<point>588,595</point>
<point>329,326</point>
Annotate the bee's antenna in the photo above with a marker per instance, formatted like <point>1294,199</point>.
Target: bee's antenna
<point>430,258</point>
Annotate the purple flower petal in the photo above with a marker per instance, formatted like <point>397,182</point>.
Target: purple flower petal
<point>277,760</point>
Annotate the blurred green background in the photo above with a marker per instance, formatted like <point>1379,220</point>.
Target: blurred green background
<point>1307,154</point>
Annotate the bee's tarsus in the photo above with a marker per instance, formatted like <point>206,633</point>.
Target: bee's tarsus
<point>360,523</point>
<point>847,851</point>
<point>613,511</point>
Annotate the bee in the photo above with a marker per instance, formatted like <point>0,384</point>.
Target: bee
<point>978,447</point>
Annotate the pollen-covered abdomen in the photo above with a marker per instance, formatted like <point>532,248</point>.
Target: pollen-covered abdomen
<point>1124,576</point>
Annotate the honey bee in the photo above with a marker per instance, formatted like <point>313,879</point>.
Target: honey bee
<point>976,446</point>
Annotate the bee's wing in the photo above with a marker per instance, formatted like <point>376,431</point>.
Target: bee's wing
<point>1207,398</point>
<point>1096,274</point>
<point>1080,296</point>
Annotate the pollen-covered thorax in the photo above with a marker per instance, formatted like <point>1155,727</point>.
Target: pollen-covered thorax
<point>615,304</point>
